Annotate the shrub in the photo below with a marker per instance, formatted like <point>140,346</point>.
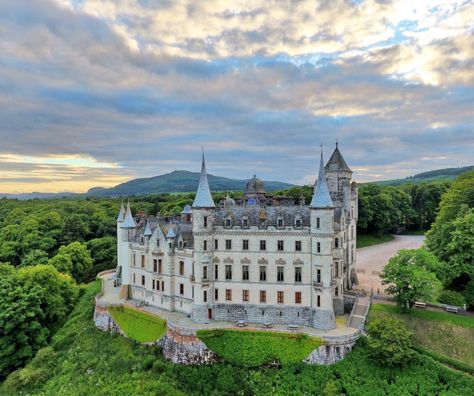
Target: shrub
<point>159,366</point>
<point>148,361</point>
<point>452,297</point>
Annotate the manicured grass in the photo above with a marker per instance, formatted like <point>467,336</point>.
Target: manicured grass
<point>256,348</point>
<point>369,240</point>
<point>442,333</point>
<point>138,325</point>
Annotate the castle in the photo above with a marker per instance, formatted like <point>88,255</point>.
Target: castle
<point>260,259</point>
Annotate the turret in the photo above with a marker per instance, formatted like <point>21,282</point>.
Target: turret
<point>147,233</point>
<point>322,231</point>
<point>339,179</point>
<point>125,230</point>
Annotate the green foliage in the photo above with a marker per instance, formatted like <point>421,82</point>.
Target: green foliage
<point>469,294</point>
<point>446,360</point>
<point>138,325</point>
<point>410,277</point>
<point>34,303</point>
<point>256,348</point>
<point>75,260</point>
<point>389,342</point>
<point>452,297</point>
<point>103,252</point>
<point>369,240</point>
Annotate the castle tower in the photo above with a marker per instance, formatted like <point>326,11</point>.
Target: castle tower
<point>322,232</point>
<point>339,179</point>
<point>125,230</point>
<point>203,209</point>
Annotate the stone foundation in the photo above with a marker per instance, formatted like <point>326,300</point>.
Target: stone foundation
<point>333,351</point>
<point>104,321</point>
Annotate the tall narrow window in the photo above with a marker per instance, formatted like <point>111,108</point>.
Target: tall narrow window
<point>352,232</point>
<point>280,246</point>
<point>318,276</point>
<point>181,288</point>
<point>280,274</point>
<point>336,291</point>
<point>245,222</point>
<point>298,223</point>
<point>298,246</point>
<point>155,265</point>
<point>181,267</point>
<point>263,296</point>
<point>160,266</point>
<point>204,272</point>
<point>318,222</point>
<point>228,294</point>
<point>318,300</point>
<point>280,297</point>
<point>143,261</point>
<point>228,222</point>
<point>336,267</point>
<point>216,294</point>
<point>280,223</point>
<point>205,296</point>
<point>143,280</point>
<point>318,247</point>
<point>298,272</point>
<point>263,245</point>
<point>216,272</point>
<point>245,272</point>
<point>153,284</point>
<point>245,295</point>
<point>245,244</point>
<point>352,253</point>
<point>162,286</point>
<point>134,279</point>
<point>204,247</point>
<point>228,272</point>
<point>228,244</point>
<point>297,297</point>
<point>205,221</point>
<point>336,243</point>
<point>263,273</point>
<point>216,244</point>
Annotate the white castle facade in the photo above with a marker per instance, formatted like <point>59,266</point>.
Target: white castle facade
<point>260,259</point>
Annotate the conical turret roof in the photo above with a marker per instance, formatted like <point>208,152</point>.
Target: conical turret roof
<point>121,214</point>
<point>147,231</point>
<point>203,195</point>
<point>336,163</point>
<point>128,221</point>
<point>321,197</point>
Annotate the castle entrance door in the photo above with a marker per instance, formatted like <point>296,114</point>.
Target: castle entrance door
<point>209,313</point>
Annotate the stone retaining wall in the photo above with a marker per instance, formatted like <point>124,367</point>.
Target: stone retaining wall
<point>104,321</point>
<point>334,350</point>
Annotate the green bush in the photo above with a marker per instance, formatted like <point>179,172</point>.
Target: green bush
<point>159,366</point>
<point>148,362</point>
<point>452,297</point>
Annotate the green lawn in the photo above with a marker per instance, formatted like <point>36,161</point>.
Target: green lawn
<point>138,325</point>
<point>369,240</point>
<point>83,360</point>
<point>256,348</point>
<point>443,333</point>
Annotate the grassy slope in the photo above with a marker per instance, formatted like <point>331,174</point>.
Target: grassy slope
<point>140,326</point>
<point>369,240</point>
<point>85,361</point>
<point>446,334</point>
<point>256,348</point>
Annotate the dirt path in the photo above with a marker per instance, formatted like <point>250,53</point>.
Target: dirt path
<point>372,259</point>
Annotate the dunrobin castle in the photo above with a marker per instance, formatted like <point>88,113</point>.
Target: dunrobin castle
<point>260,258</point>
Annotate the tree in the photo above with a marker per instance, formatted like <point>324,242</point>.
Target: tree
<point>389,342</point>
<point>103,252</point>
<point>34,257</point>
<point>74,259</point>
<point>34,303</point>
<point>409,277</point>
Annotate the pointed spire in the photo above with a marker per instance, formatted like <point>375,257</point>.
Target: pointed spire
<point>147,231</point>
<point>128,221</point>
<point>336,163</point>
<point>121,214</point>
<point>321,197</point>
<point>170,234</point>
<point>203,195</point>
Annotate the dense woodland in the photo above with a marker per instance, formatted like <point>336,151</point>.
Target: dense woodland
<point>51,248</point>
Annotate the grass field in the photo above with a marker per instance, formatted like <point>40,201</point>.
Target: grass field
<point>255,348</point>
<point>138,325</point>
<point>443,333</point>
<point>369,240</point>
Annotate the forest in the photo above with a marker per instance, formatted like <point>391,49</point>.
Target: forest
<point>51,248</point>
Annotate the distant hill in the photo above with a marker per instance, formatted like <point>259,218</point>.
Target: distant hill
<point>179,181</point>
<point>440,174</point>
<point>38,195</point>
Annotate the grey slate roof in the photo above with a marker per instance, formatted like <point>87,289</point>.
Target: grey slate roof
<point>147,231</point>
<point>336,163</point>
<point>321,197</point>
<point>121,214</point>
<point>128,221</point>
<point>203,197</point>
<point>187,210</point>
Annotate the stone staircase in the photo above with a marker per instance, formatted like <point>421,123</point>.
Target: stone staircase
<point>359,313</point>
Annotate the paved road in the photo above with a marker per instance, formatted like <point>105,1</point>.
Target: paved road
<point>372,259</point>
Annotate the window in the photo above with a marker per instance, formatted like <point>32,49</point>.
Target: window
<point>245,244</point>
<point>336,291</point>
<point>245,295</point>
<point>263,296</point>
<point>204,272</point>
<point>181,288</point>
<point>228,222</point>
<point>155,265</point>
<point>143,280</point>
<point>162,286</point>
<point>336,267</point>
<point>318,300</point>
<point>352,253</point>
<point>336,243</point>
<point>192,292</point>
<point>134,279</point>
<point>134,260</point>
<point>245,272</point>
<point>160,266</point>
<point>263,274</point>
<point>298,246</point>
<point>204,246</point>
<point>280,222</point>
<point>352,232</point>
<point>318,222</point>
<point>157,285</point>
<point>228,272</point>
<point>216,272</point>
<point>245,222</point>
<point>204,297</point>
<point>181,267</point>
<point>280,274</point>
<point>153,284</point>
<point>318,276</point>
<point>298,223</point>
<point>263,245</point>
<point>280,246</point>
<point>297,297</point>
<point>318,247</point>
<point>228,294</point>
<point>143,261</point>
<point>216,294</point>
<point>298,272</point>
<point>228,244</point>
<point>205,221</point>
<point>280,297</point>
<point>216,244</point>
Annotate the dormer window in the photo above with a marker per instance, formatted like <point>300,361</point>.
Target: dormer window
<point>245,222</point>
<point>298,222</point>
<point>280,222</point>
<point>228,222</point>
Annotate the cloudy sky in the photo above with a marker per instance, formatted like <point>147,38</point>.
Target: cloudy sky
<point>95,92</point>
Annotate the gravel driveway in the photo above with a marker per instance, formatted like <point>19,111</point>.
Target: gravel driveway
<point>372,259</point>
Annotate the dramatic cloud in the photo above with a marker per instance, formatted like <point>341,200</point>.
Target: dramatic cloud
<point>96,92</point>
